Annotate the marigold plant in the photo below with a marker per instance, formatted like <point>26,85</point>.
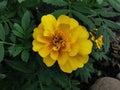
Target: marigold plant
<point>62,40</point>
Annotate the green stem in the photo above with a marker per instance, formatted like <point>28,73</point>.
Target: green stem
<point>7,43</point>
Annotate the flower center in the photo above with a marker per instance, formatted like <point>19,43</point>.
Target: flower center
<point>58,42</point>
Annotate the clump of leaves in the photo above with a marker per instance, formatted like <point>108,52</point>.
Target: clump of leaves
<point>21,69</point>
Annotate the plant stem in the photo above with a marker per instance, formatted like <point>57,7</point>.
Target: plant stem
<point>7,43</point>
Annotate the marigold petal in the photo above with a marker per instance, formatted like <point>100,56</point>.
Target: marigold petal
<point>54,55</point>
<point>83,32</point>
<point>73,23</point>
<point>66,67</point>
<point>75,48</point>
<point>75,35</point>
<point>48,61</point>
<point>49,22</point>
<point>85,47</point>
<point>63,20</point>
<point>36,45</point>
<point>78,61</point>
<point>62,58</point>
<point>45,51</point>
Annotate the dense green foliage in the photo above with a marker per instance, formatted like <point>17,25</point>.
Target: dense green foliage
<point>22,69</point>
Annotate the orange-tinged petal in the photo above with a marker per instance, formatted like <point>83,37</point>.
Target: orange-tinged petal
<point>85,47</point>
<point>45,51</point>
<point>54,55</point>
<point>48,22</point>
<point>37,45</point>
<point>48,61</point>
<point>62,58</point>
<point>66,67</point>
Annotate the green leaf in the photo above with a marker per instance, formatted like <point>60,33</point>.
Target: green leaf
<point>115,4</point>
<point>26,20</point>
<point>56,2</point>
<point>82,8</point>
<point>85,72</point>
<point>15,50</point>
<point>44,76</point>
<point>111,24</point>
<point>84,19</point>
<point>3,4</point>
<point>2,33</point>
<point>99,1</point>
<point>61,78</point>
<point>1,52</point>
<point>57,13</point>
<point>19,66</point>
<point>19,32</point>
<point>2,76</point>
<point>25,55</point>
<point>20,1</point>
<point>106,41</point>
<point>109,14</point>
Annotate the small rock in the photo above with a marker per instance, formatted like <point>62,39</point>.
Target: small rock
<point>118,76</point>
<point>106,83</point>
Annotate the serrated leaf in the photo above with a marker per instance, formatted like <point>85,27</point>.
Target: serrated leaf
<point>18,30</point>
<point>57,13</point>
<point>18,34</point>
<point>25,55</point>
<point>20,66</point>
<point>26,20</point>
<point>1,52</point>
<point>2,33</point>
<point>84,19</point>
<point>56,2</point>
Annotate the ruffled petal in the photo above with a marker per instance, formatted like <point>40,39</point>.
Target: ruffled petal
<point>48,61</point>
<point>83,32</point>
<point>54,55</point>
<point>75,34</point>
<point>37,45</point>
<point>73,23</point>
<point>78,61</point>
<point>45,51</point>
<point>85,47</point>
<point>62,58</point>
<point>49,22</point>
<point>75,48</point>
<point>66,67</point>
<point>63,20</point>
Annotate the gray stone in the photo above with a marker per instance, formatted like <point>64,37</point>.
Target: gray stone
<point>106,83</point>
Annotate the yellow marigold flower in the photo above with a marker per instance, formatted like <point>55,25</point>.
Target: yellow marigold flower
<point>62,40</point>
<point>99,42</point>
